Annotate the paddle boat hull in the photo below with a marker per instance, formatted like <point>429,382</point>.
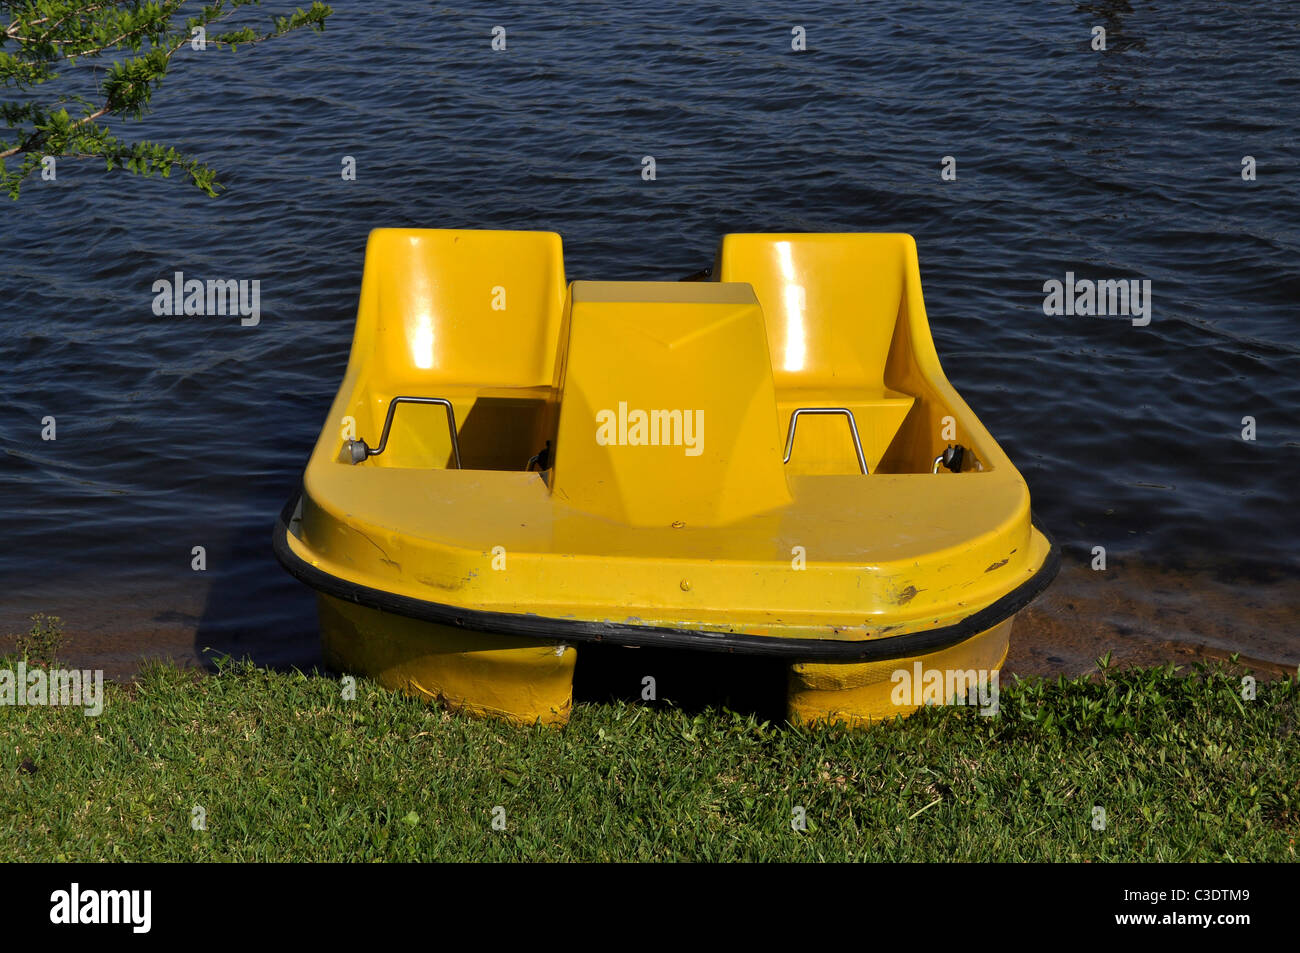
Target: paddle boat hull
<point>771,463</point>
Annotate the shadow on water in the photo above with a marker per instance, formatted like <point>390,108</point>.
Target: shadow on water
<point>232,624</point>
<point>254,609</point>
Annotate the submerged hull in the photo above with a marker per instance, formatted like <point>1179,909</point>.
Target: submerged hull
<point>521,680</point>
<point>863,692</point>
<point>530,681</point>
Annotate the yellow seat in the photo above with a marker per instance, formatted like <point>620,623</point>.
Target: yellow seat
<point>470,316</point>
<point>831,303</point>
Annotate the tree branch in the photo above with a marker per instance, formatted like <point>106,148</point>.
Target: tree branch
<point>148,31</point>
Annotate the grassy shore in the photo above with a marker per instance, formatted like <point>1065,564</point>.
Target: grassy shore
<point>284,768</point>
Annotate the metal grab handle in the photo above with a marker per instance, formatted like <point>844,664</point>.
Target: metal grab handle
<point>853,431</point>
<point>358,451</point>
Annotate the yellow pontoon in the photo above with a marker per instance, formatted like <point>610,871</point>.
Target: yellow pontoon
<point>768,463</point>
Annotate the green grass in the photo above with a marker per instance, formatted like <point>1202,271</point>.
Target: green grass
<point>287,770</point>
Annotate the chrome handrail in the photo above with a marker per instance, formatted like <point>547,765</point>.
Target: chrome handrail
<point>358,451</point>
<point>853,431</point>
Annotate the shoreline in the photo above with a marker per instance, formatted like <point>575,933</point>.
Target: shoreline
<point>1141,615</point>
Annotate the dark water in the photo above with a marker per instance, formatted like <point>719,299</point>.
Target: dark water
<point>177,432</point>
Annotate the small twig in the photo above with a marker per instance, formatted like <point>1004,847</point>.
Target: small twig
<point>926,808</point>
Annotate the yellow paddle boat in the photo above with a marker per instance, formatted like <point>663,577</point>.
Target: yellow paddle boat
<point>771,462</point>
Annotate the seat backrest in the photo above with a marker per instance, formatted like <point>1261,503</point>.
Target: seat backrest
<point>462,307</point>
<point>830,301</point>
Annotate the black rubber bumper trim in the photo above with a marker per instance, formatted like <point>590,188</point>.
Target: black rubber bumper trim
<point>621,633</point>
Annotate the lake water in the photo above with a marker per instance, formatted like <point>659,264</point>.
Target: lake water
<point>175,432</point>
